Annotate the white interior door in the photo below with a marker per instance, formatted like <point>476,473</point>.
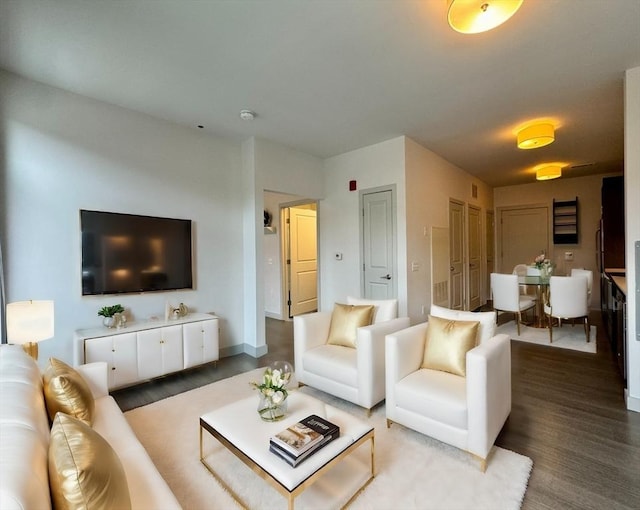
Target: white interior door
<point>378,241</point>
<point>303,267</point>
<point>490,250</point>
<point>524,233</point>
<point>474,243</point>
<point>456,255</point>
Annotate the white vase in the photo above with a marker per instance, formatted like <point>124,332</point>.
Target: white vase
<point>109,322</point>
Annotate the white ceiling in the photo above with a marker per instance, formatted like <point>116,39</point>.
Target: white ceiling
<point>329,76</point>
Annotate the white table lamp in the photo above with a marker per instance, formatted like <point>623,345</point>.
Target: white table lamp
<point>29,322</point>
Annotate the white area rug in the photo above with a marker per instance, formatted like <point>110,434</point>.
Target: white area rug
<point>412,470</point>
<point>566,337</point>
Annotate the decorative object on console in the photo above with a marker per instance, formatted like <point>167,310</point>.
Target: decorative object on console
<point>272,405</point>
<point>30,322</point>
<point>109,315</point>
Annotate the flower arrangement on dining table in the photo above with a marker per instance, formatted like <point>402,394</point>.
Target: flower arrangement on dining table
<point>273,391</point>
<point>545,265</point>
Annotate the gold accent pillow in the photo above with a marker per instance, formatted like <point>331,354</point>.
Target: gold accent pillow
<point>84,471</point>
<point>67,392</point>
<point>345,320</point>
<point>447,343</point>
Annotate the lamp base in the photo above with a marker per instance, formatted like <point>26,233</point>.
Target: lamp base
<point>31,348</point>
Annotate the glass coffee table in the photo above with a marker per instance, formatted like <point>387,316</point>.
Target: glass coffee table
<point>239,428</point>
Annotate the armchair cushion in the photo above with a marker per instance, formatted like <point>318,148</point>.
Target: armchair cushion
<point>486,329</point>
<point>447,343</point>
<point>345,321</point>
<point>384,309</point>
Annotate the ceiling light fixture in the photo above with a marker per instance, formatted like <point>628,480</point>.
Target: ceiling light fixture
<point>536,135</point>
<point>548,172</point>
<point>475,16</point>
<point>247,115</point>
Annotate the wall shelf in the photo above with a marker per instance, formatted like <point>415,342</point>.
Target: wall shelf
<point>565,222</point>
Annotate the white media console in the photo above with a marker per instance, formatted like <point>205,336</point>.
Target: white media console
<point>144,350</point>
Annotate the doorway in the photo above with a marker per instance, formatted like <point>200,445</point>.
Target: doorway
<point>524,233</point>
<point>456,255</point>
<point>378,246</point>
<point>300,258</point>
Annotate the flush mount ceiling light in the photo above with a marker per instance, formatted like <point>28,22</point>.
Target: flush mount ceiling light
<point>548,172</point>
<point>536,135</point>
<point>475,16</point>
<point>247,115</point>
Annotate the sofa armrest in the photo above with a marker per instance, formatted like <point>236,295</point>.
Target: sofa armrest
<point>370,344</point>
<point>97,376</point>
<point>488,392</point>
<point>309,330</point>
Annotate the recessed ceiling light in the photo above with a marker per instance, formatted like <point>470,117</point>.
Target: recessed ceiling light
<point>247,115</point>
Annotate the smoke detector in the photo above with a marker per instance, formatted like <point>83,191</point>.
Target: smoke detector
<point>247,115</point>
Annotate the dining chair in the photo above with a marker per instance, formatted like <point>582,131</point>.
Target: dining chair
<point>507,297</point>
<point>568,297</point>
<point>521,270</point>
<point>589,275</point>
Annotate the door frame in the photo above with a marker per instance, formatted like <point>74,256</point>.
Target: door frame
<point>284,267</point>
<point>394,241</point>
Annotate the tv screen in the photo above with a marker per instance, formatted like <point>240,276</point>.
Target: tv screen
<point>131,253</point>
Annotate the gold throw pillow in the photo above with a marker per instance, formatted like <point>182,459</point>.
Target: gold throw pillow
<point>447,343</point>
<point>84,471</point>
<point>67,392</point>
<point>345,320</point>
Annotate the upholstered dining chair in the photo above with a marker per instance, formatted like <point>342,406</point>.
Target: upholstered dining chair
<point>462,398</point>
<point>521,270</point>
<point>507,298</point>
<point>589,275</point>
<point>351,372</point>
<point>568,296</point>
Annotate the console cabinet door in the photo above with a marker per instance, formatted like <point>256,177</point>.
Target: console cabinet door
<point>200,342</point>
<point>159,351</point>
<point>120,353</point>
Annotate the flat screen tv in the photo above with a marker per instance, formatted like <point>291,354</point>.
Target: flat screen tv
<point>131,253</point>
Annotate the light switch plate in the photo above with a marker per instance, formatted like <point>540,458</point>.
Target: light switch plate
<point>568,255</point>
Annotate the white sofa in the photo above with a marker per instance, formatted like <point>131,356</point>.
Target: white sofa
<point>24,438</point>
<point>465,412</point>
<point>356,375</point>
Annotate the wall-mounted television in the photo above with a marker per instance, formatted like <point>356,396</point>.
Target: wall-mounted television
<point>131,253</point>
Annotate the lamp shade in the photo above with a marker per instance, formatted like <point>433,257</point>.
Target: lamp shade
<point>29,321</point>
<point>475,16</point>
<point>536,135</point>
<point>548,172</point>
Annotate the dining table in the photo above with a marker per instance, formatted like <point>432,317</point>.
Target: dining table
<point>541,285</point>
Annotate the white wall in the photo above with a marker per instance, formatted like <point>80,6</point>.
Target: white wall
<point>64,152</point>
<point>431,182</point>
<point>632,227</point>
<point>377,165</point>
<point>588,191</point>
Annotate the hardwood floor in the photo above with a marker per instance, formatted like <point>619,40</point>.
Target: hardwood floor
<point>568,415</point>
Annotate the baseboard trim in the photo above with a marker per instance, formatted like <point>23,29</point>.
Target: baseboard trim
<point>234,350</point>
<point>633,403</point>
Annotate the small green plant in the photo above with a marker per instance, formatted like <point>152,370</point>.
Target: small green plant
<point>110,311</point>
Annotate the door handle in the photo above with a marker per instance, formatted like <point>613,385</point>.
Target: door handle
<point>451,268</point>
<point>386,277</point>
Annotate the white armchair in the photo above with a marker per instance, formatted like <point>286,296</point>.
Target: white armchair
<point>466,412</point>
<point>356,375</point>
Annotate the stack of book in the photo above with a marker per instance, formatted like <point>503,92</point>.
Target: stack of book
<point>302,439</point>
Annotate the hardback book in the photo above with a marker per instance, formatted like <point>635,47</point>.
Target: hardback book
<point>294,461</point>
<point>304,435</point>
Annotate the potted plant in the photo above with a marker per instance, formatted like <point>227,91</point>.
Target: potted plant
<point>108,313</point>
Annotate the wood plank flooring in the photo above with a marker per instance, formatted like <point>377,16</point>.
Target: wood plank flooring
<point>568,415</point>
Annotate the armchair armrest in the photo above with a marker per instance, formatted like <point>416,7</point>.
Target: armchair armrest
<point>404,351</point>
<point>370,342</point>
<point>488,392</point>
<point>96,375</point>
<point>309,330</point>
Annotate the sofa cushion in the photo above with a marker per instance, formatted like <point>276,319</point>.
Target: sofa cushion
<point>436,395</point>
<point>446,344</point>
<point>67,392</point>
<point>487,328</point>
<point>345,321</point>
<point>384,309</point>
<point>335,362</point>
<point>84,471</point>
